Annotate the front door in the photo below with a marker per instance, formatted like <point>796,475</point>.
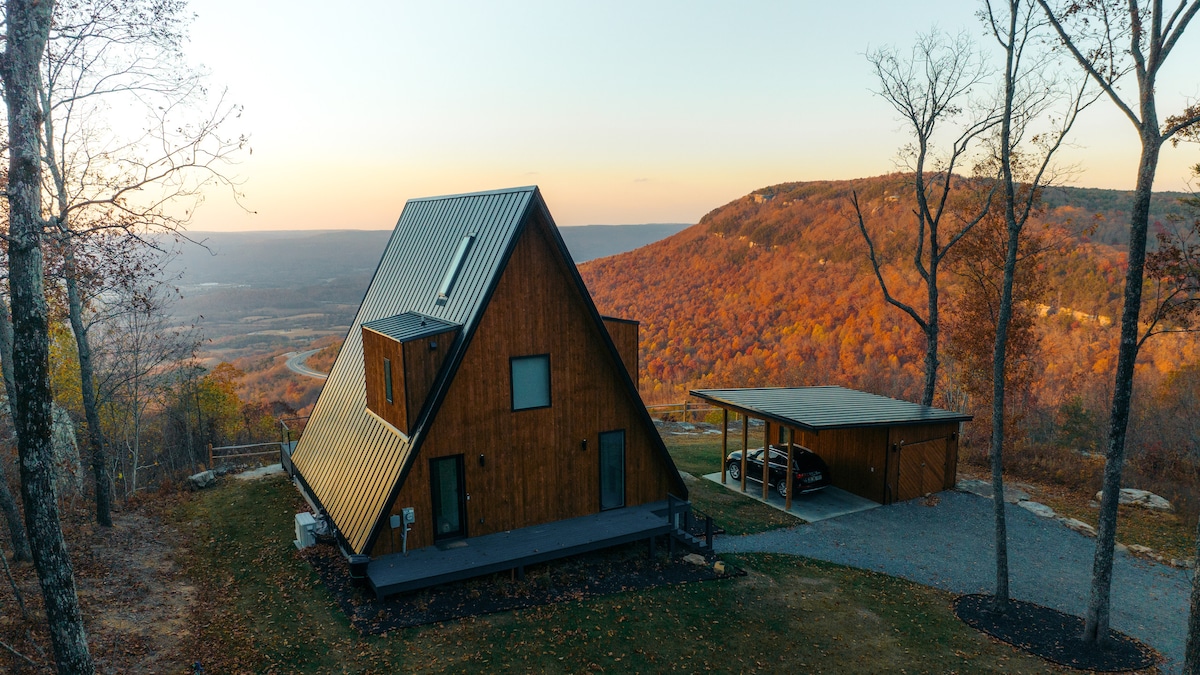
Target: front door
<point>449,503</point>
<point>612,469</point>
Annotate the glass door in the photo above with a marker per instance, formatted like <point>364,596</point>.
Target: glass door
<point>449,505</point>
<point>612,469</point>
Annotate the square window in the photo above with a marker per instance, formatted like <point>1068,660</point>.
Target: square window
<point>530,382</point>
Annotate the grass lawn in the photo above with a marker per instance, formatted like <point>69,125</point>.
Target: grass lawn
<point>261,610</point>
<point>1167,533</point>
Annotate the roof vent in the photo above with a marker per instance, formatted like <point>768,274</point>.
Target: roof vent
<point>456,263</point>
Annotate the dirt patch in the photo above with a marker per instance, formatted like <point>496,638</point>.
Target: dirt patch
<point>134,597</point>
<point>615,570</point>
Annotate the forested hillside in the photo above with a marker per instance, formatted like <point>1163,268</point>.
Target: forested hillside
<point>775,289</point>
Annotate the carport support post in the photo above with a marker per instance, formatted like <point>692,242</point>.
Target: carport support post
<point>745,447</point>
<point>787,506</point>
<point>724,443</point>
<point>766,460</point>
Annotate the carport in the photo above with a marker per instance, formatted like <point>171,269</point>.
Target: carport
<point>876,447</point>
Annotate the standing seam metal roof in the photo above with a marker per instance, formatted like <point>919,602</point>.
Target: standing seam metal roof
<point>831,407</point>
<point>350,460</point>
<point>409,326</point>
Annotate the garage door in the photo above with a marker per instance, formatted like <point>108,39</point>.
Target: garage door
<point>922,468</point>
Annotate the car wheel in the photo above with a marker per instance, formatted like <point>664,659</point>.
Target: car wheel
<point>735,471</point>
<point>781,487</point>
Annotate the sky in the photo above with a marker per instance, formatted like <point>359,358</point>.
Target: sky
<point>622,112</point>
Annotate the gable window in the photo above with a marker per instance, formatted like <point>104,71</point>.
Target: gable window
<point>387,379</point>
<point>530,382</point>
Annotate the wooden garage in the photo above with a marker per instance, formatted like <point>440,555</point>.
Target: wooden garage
<point>876,447</point>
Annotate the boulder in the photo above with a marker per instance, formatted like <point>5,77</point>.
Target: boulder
<point>695,559</point>
<point>1012,495</point>
<point>1037,509</point>
<point>202,480</point>
<point>1142,498</point>
<point>1079,526</point>
<point>1139,549</point>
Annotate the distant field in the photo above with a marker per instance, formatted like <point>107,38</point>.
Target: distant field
<point>260,294</point>
<point>240,283</point>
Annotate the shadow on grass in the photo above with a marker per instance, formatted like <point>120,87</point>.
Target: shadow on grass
<point>614,570</point>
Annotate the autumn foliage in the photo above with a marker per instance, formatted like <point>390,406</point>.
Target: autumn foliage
<point>775,289</point>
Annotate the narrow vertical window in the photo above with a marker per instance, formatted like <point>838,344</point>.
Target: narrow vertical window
<point>387,379</point>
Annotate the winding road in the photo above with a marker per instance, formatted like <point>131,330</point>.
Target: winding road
<point>295,363</point>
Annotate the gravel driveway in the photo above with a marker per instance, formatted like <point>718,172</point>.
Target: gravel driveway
<point>949,546</point>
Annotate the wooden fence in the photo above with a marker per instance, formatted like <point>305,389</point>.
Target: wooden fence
<point>685,411</point>
<point>223,452</point>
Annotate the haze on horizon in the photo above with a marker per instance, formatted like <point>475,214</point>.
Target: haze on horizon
<point>622,112</point>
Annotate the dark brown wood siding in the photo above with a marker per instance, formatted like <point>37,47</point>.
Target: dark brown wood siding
<point>415,366</point>
<point>919,434</point>
<point>867,461</point>
<point>423,358</point>
<point>376,348</point>
<point>537,465</point>
<point>624,335</point>
<point>856,458</point>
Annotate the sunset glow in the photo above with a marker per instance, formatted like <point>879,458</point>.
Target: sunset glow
<point>621,112</point>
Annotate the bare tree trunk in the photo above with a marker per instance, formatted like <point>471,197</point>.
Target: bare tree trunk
<point>931,329</point>
<point>1096,626</point>
<point>1191,652</point>
<point>996,454</point>
<point>87,384</point>
<point>1004,318</point>
<point>28,25</point>
<point>8,504</point>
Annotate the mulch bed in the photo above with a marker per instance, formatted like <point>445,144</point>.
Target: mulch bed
<point>1053,635</point>
<point>623,568</point>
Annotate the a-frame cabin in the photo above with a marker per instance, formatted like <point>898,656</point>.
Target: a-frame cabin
<point>479,387</point>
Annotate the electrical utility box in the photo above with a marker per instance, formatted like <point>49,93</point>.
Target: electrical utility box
<point>305,527</point>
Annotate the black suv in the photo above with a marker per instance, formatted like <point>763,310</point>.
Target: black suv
<point>811,472</point>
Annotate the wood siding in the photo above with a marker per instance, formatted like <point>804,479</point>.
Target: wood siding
<point>624,335</point>
<point>868,461</point>
<point>423,359</point>
<point>899,437</point>
<point>376,348</point>
<point>415,366</point>
<point>532,466</point>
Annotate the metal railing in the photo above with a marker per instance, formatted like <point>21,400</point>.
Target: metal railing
<point>694,528</point>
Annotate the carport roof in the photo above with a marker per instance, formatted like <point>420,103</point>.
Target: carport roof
<point>817,408</point>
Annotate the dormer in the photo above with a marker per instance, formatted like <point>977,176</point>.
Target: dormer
<point>402,355</point>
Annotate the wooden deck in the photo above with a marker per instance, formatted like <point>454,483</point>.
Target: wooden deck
<point>477,556</point>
